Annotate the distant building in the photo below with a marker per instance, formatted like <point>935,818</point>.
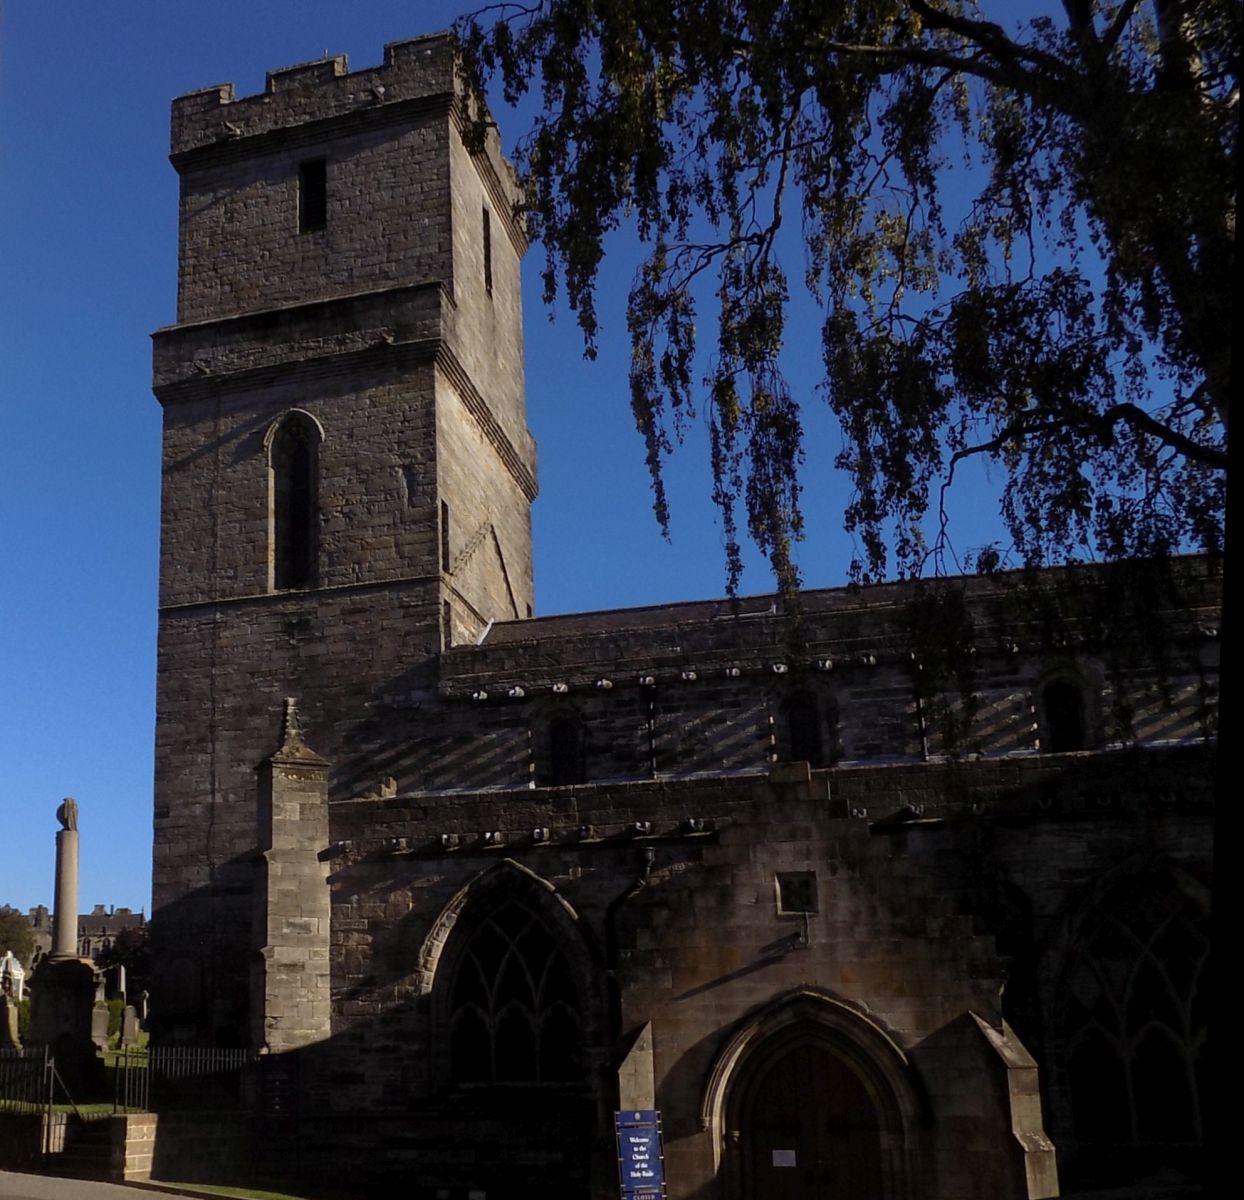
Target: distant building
<point>97,930</point>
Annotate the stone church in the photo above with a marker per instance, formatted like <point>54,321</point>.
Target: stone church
<point>896,892</point>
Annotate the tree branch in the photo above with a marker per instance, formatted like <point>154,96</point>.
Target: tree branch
<point>990,37</point>
<point>1121,19</point>
<point>1053,92</point>
<point>1207,456</point>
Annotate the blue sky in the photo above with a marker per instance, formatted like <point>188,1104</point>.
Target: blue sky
<point>88,253</point>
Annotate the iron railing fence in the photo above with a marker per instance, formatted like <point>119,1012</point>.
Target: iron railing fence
<point>26,1079</point>
<point>180,1077</point>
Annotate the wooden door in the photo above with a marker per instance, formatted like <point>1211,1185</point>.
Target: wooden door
<point>810,1130</point>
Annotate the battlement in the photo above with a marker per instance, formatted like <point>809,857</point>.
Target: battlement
<point>418,69</point>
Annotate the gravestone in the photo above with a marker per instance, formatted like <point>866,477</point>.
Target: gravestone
<point>129,1025</point>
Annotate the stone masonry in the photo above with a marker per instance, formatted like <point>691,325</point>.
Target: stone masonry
<point>834,884</point>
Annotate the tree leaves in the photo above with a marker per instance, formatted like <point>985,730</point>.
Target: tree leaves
<point>1022,238</point>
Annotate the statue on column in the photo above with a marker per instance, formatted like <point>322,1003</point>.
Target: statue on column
<point>64,986</point>
<point>67,814</point>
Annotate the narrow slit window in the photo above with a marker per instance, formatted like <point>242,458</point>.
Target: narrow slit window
<point>488,252</point>
<point>444,537</point>
<point>293,468</point>
<point>447,625</point>
<point>312,195</point>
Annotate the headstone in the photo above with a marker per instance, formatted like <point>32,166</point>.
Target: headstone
<point>129,1025</point>
<point>99,1026</point>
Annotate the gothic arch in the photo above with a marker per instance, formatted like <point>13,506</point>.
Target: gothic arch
<point>1126,1016</point>
<point>515,990</point>
<point>803,1024</point>
<point>292,447</point>
<point>1067,698</point>
<point>807,723</point>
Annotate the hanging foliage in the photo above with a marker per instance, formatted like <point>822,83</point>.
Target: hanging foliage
<point>1020,235</point>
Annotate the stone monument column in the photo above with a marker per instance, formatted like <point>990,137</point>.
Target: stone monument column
<point>65,914</point>
<point>64,986</point>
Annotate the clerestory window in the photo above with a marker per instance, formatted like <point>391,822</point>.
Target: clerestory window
<point>565,753</point>
<point>806,728</point>
<point>803,724</point>
<point>1063,704</point>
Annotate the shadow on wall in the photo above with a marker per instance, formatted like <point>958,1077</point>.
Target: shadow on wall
<point>1065,868</point>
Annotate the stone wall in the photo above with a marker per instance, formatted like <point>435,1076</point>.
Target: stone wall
<point>908,912</point>
<point>369,328</point>
<point>870,827</point>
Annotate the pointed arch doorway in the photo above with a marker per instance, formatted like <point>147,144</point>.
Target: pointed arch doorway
<point>812,1101</point>
<point>808,1129</point>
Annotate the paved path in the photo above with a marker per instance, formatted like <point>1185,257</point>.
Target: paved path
<point>45,1187</point>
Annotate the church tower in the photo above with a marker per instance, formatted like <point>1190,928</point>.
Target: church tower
<point>347,471</point>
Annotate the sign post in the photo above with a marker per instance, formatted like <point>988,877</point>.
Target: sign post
<point>641,1160</point>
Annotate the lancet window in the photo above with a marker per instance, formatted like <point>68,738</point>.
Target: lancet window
<point>293,468</point>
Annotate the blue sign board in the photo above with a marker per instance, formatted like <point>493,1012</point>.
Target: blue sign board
<point>641,1163</point>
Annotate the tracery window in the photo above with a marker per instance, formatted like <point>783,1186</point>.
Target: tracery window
<point>293,468</point>
<point>1132,1018</point>
<point>515,1013</point>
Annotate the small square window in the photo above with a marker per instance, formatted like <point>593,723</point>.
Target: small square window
<point>796,892</point>
<point>312,195</point>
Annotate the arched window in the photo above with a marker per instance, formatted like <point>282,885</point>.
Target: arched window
<point>1063,704</point>
<point>515,1014</point>
<point>293,502</point>
<point>565,753</point>
<point>1131,1022</point>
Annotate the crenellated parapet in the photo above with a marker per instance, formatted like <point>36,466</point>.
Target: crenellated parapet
<point>308,101</point>
<point>420,69</point>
